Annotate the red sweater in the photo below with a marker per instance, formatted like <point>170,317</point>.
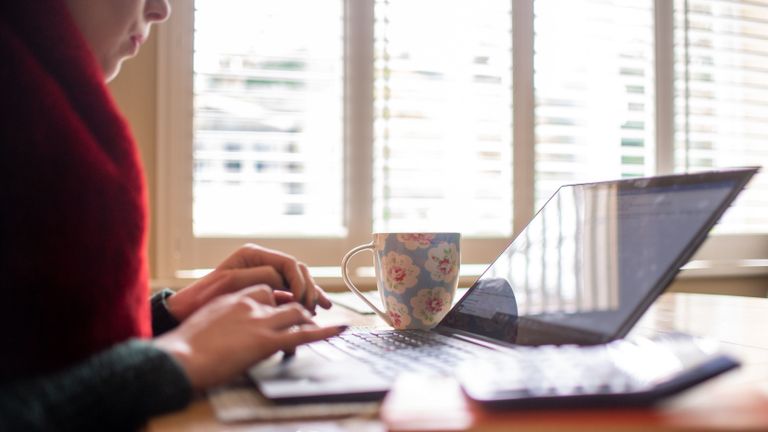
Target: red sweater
<point>73,218</point>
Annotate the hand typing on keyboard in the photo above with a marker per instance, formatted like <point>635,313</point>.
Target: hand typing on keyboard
<point>234,331</point>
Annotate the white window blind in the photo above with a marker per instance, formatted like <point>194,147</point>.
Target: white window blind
<point>721,90</point>
<point>315,122</point>
<point>594,86</point>
<point>443,114</point>
<point>268,108</point>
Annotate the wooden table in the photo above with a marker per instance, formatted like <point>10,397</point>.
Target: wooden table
<point>736,401</point>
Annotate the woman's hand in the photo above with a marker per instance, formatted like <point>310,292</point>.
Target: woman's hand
<point>234,331</point>
<point>250,265</point>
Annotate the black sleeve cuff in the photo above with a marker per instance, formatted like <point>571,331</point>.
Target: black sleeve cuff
<point>162,320</point>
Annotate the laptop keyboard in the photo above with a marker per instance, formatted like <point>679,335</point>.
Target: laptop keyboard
<point>390,352</point>
<point>621,367</point>
<point>552,370</point>
<point>532,369</point>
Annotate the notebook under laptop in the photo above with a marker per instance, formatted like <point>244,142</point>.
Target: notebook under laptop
<point>583,271</point>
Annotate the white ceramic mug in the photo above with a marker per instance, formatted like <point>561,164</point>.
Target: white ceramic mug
<point>416,275</point>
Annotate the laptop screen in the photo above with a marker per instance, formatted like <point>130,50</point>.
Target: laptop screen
<point>594,258</point>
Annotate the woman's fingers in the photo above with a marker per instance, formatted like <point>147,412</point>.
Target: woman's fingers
<point>287,267</point>
<point>290,339</point>
<point>252,264</point>
<point>294,277</point>
<point>286,316</point>
<point>260,294</point>
<point>233,280</point>
<point>322,298</point>
<point>283,297</point>
<point>310,294</point>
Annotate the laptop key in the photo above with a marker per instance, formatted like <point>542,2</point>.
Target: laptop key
<point>390,352</point>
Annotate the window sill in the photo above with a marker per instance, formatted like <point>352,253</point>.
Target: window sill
<point>724,268</point>
<point>330,277</point>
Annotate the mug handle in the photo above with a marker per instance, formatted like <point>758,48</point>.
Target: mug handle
<point>352,286</point>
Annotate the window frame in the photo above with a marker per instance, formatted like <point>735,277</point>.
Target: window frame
<point>179,251</point>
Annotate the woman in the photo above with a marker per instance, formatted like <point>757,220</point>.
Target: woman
<point>76,323</point>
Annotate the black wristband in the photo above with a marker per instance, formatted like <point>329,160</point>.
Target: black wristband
<point>162,320</point>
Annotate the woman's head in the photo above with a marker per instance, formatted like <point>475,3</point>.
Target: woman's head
<point>116,29</point>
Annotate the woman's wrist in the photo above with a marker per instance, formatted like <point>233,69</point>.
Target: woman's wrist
<point>163,318</point>
<point>181,352</point>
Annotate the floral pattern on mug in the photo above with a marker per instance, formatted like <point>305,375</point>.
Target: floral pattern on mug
<point>443,262</point>
<point>398,313</point>
<point>430,305</point>
<point>399,272</point>
<point>413,241</point>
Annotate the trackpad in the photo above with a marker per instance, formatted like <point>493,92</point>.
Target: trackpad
<point>308,376</point>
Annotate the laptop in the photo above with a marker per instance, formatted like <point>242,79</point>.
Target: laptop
<point>573,283</point>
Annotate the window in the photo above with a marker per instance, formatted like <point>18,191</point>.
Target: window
<point>594,90</point>
<point>442,157</point>
<point>267,119</point>
<point>316,122</point>
<point>721,103</point>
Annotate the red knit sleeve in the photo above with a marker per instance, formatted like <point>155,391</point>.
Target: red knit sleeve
<point>73,221</point>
